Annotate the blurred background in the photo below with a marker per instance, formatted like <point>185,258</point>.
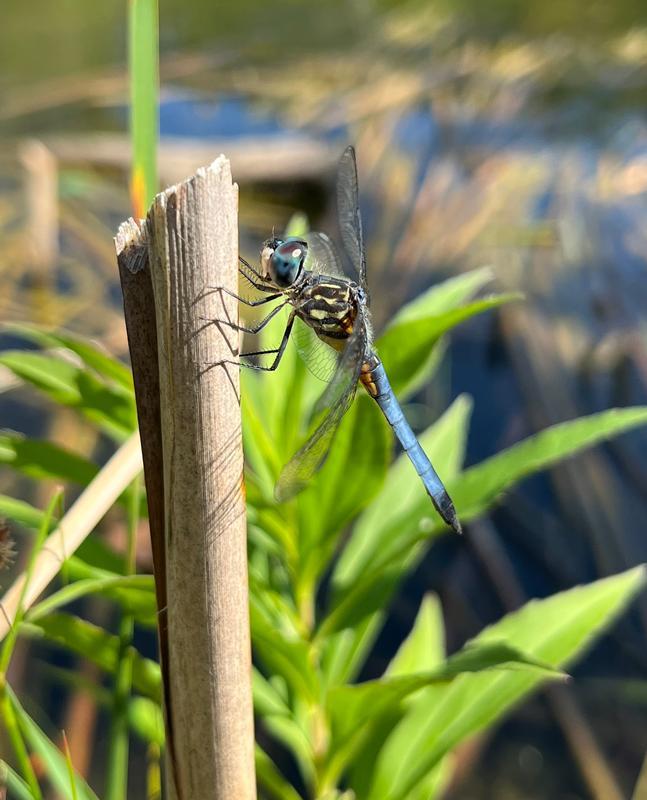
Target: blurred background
<point>510,134</point>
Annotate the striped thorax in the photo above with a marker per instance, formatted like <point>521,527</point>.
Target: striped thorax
<point>328,305</point>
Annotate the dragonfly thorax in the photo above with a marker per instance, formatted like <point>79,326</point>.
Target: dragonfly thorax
<point>282,261</point>
<point>329,306</point>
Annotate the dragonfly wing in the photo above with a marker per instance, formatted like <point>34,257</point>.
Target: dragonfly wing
<point>323,258</point>
<point>328,413</point>
<point>350,221</point>
<point>320,359</point>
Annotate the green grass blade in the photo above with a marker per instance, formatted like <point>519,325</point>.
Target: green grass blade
<point>10,640</point>
<point>70,768</point>
<point>117,768</point>
<point>143,62</point>
<point>51,757</point>
<point>14,734</point>
<point>12,781</point>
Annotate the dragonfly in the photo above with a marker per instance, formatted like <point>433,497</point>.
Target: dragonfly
<point>325,288</point>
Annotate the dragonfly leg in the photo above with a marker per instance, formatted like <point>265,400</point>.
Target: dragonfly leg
<point>250,268</point>
<point>254,329</point>
<point>278,350</point>
<point>251,303</point>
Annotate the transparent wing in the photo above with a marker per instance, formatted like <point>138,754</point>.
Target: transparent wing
<point>323,258</point>
<point>329,411</point>
<point>350,222</point>
<point>320,359</point>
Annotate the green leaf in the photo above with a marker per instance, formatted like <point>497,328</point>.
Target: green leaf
<point>400,545</point>
<point>111,408</point>
<point>397,506</point>
<point>422,650</point>
<point>44,460</point>
<point>51,757</point>
<point>353,705</point>
<point>94,357</point>
<point>361,449</point>
<point>359,591</point>
<point>135,594</point>
<point>267,700</point>
<point>554,630</point>
<point>97,646</point>
<point>355,710</point>
<point>146,720</point>
<point>405,346</point>
<point>18,789</point>
<point>444,296</point>
<point>279,645</point>
<point>479,486</point>
<point>21,512</point>
<point>271,779</point>
<point>424,647</point>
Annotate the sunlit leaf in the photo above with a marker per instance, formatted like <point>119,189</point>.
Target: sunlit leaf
<point>422,650</point>
<point>111,408</point>
<point>473,491</point>
<point>445,296</point>
<point>351,706</point>
<point>479,486</point>
<point>424,647</point>
<point>146,720</point>
<point>397,506</point>
<point>554,630</point>
<point>405,346</point>
<point>92,355</point>
<point>352,474</point>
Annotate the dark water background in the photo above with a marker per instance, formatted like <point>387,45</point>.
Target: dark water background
<point>510,134</point>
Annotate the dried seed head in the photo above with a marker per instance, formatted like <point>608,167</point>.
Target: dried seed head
<point>7,545</point>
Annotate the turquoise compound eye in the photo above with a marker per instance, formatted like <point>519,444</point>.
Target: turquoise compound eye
<point>286,261</point>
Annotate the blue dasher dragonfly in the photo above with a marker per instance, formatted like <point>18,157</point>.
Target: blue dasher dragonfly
<point>306,275</point>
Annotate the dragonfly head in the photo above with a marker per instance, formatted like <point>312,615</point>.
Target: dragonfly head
<point>282,260</point>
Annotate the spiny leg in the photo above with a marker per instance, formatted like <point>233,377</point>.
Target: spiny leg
<point>251,303</point>
<point>256,328</point>
<point>250,268</point>
<point>278,350</point>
